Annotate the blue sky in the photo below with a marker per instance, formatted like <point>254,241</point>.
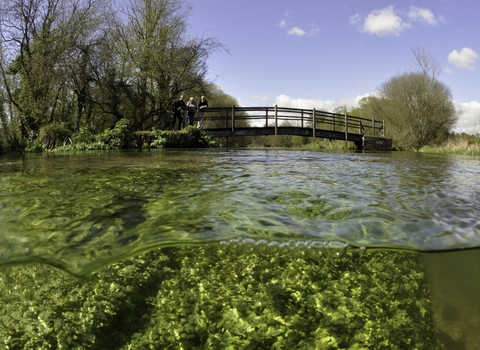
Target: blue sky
<point>325,54</point>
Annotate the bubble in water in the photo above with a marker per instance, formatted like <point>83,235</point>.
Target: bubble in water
<point>317,248</point>
<point>273,246</point>
<point>248,245</point>
<point>336,249</point>
<point>298,248</point>
<point>301,249</point>
<point>261,245</point>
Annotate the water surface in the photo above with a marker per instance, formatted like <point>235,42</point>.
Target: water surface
<point>81,211</point>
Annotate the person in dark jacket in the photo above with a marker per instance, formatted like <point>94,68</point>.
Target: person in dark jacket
<point>178,111</point>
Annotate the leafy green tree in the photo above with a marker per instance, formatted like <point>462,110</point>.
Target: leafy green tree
<point>45,60</point>
<point>417,106</point>
<point>73,63</point>
<point>160,60</point>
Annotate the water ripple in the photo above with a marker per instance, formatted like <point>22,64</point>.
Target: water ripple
<point>79,212</point>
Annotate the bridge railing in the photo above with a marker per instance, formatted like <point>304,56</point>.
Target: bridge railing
<point>261,117</point>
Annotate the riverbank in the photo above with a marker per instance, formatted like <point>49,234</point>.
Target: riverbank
<point>464,144</point>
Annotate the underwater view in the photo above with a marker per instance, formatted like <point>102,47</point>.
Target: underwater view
<point>239,249</point>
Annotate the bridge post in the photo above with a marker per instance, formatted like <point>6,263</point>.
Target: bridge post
<point>314,123</point>
<point>302,118</point>
<point>233,120</point>
<point>276,119</point>
<point>373,127</point>
<point>226,118</point>
<point>346,126</point>
<point>266,118</point>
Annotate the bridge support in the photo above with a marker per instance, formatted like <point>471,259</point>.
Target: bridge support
<point>375,143</point>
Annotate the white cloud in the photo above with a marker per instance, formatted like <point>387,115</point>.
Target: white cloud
<point>469,119</point>
<point>355,19</point>
<point>282,24</point>
<point>424,15</point>
<point>464,59</point>
<point>264,100</point>
<point>384,22</point>
<point>296,31</point>
<point>388,21</point>
<point>321,105</point>
<point>314,30</point>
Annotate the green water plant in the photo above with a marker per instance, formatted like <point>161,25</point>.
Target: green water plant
<point>212,297</point>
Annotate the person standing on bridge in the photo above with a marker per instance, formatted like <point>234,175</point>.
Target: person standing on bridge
<point>202,105</point>
<point>178,111</point>
<point>191,110</point>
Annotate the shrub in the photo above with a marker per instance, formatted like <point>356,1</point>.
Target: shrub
<point>54,135</point>
<point>84,135</point>
<point>118,137</point>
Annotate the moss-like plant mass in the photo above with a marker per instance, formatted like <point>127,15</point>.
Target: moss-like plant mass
<point>213,297</point>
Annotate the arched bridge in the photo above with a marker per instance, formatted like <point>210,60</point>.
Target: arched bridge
<point>256,121</point>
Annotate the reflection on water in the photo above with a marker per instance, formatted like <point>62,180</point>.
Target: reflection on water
<point>81,212</point>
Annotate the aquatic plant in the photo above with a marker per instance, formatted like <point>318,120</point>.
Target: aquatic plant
<point>218,298</point>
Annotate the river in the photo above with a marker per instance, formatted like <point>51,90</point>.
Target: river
<point>80,212</point>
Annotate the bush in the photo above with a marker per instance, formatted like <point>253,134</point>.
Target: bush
<point>84,135</point>
<point>118,137</point>
<point>54,135</point>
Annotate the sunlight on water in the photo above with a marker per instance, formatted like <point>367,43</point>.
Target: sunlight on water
<point>81,211</point>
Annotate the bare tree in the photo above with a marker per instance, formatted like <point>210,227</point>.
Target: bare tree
<point>425,62</point>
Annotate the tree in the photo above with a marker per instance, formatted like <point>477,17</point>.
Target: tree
<point>73,64</point>
<point>417,106</point>
<point>46,51</point>
<point>425,63</point>
<point>161,61</point>
<point>420,109</point>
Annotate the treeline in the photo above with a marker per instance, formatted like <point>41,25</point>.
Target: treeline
<point>70,66</point>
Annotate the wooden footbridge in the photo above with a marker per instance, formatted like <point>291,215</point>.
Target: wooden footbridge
<point>367,134</point>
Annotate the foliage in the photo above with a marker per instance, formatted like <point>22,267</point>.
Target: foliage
<point>34,146</point>
<point>84,135</point>
<point>95,62</point>
<point>419,109</point>
<point>216,298</point>
<point>118,137</point>
<point>329,145</point>
<point>53,135</point>
<point>159,140</point>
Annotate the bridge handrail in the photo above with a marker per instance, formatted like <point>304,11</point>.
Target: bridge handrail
<point>273,114</point>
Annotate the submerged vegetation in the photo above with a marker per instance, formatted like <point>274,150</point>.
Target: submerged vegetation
<point>211,297</point>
